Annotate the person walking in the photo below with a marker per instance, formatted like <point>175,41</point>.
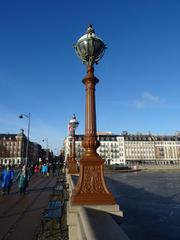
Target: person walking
<point>6,178</point>
<point>44,169</point>
<point>32,169</point>
<point>23,179</point>
<point>36,169</point>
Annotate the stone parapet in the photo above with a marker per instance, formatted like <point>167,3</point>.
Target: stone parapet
<point>93,222</point>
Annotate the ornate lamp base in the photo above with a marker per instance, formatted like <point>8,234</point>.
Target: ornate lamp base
<point>72,168</point>
<point>91,188</point>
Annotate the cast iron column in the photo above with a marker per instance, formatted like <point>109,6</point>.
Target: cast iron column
<point>72,169</point>
<point>91,187</point>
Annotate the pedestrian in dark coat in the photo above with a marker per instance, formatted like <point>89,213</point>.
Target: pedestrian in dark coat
<point>6,178</point>
<point>23,179</point>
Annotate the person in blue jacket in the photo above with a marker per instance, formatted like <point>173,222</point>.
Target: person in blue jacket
<point>6,178</point>
<point>44,169</point>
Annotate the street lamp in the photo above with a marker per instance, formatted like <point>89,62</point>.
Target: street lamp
<point>47,146</point>
<point>56,149</point>
<point>91,188</point>
<point>27,142</point>
<point>72,164</point>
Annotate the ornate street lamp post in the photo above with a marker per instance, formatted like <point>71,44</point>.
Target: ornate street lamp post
<point>47,149</point>
<point>28,131</point>
<point>73,124</point>
<point>91,188</point>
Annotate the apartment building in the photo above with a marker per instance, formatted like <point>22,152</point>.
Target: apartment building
<point>132,149</point>
<point>111,148</point>
<point>13,149</point>
<point>139,149</point>
<point>152,149</point>
<point>167,149</point>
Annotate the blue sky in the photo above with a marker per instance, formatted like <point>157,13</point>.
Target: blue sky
<point>40,72</point>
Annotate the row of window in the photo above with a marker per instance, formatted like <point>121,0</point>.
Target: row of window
<point>111,149</point>
<point>14,143</point>
<point>140,157</point>
<point>168,143</point>
<point>111,144</point>
<point>4,161</point>
<point>140,150</point>
<point>138,143</point>
<point>105,144</point>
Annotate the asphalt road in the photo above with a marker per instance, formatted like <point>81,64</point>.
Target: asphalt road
<point>20,215</point>
<point>150,202</point>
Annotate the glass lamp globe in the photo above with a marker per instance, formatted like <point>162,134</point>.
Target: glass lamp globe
<point>89,47</point>
<point>74,122</point>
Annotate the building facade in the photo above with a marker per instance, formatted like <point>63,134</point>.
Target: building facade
<point>139,149</point>
<point>111,148</point>
<point>13,149</point>
<point>152,149</point>
<point>132,149</point>
<point>167,149</point>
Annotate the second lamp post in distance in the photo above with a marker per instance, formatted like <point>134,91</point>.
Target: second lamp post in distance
<point>47,149</point>
<point>72,163</point>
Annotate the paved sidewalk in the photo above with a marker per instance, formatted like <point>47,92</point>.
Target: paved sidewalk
<point>20,215</point>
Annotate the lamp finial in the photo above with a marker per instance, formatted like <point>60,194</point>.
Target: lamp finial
<point>90,29</point>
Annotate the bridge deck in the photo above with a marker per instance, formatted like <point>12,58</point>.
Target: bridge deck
<point>20,215</point>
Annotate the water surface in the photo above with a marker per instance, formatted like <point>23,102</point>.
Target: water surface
<point>150,202</point>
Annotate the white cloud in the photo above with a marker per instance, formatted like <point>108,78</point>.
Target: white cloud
<point>146,100</point>
<point>149,97</point>
<point>139,103</point>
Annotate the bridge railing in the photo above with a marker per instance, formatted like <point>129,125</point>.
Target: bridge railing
<point>93,222</point>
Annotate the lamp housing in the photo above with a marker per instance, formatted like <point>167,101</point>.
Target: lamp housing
<point>90,48</point>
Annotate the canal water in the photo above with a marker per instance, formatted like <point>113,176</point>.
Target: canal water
<point>150,201</point>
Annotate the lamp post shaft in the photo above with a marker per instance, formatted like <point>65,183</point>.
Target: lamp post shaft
<point>72,168</point>
<point>47,147</point>
<point>90,142</point>
<point>47,152</point>
<point>27,144</point>
<point>73,145</point>
<point>70,147</point>
<point>91,188</point>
